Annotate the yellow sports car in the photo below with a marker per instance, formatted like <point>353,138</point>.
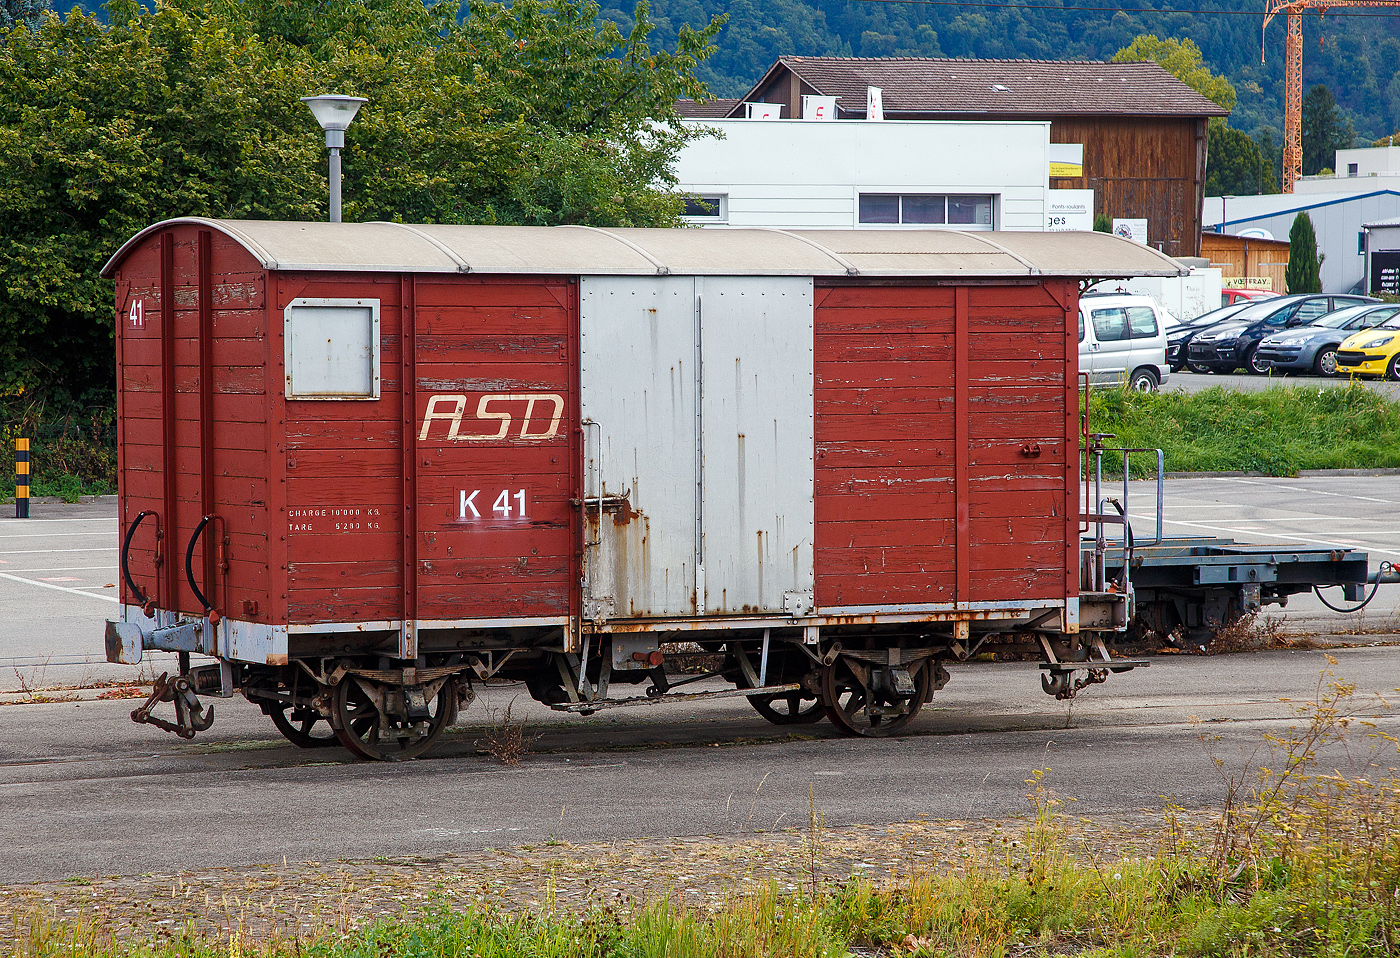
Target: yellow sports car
<point>1372,352</point>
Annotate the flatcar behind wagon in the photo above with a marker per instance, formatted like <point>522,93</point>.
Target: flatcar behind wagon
<point>365,466</point>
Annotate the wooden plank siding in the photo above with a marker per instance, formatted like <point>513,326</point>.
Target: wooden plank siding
<point>1247,257</point>
<point>1142,167</point>
<point>941,470</point>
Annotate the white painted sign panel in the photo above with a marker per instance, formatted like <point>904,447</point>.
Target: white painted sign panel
<point>1133,229</point>
<point>819,108</point>
<point>1069,210</point>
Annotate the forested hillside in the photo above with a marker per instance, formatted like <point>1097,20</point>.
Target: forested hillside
<point>1356,56</point>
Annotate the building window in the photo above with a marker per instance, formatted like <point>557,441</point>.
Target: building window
<point>707,207</point>
<point>1352,169</point>
<point>1361,243</point>
<point>926,209</point>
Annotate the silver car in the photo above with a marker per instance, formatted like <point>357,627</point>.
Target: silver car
<point>1313,348</point>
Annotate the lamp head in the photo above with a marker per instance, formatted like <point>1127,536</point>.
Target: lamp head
<point>334,113</point>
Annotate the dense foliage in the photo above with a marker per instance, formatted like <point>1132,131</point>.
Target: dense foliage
<point>1237,166</point>
<point>1303,273</point>
<point>1325,131</point>
<point>27,12</point>
<point>534,113</point>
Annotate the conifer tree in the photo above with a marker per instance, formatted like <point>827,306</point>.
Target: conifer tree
<point>1304,265</point>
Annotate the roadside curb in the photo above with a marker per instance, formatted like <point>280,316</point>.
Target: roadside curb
<point>1301,474</point>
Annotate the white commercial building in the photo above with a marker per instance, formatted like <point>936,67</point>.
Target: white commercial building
<point>805,174</point>
<point>1338,218</point>
<point>1363,170</point>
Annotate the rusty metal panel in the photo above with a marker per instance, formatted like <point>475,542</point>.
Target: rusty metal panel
<point>756,416</point>
<point>639,382</point>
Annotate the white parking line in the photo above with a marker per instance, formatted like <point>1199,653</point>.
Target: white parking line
<point>7,523</point>
<point>1314,492</point>
<point>69,568</point>
<point>59,588</point>
<point>40,552</point>
<point>1255,532</point>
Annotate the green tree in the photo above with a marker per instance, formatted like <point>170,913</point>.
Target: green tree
<point>1183,60</point>
<point>1325,130</point>
<point>534,113</point>
<point>13,13</point>
<point>1303,273</point>
<point>1236,166</point>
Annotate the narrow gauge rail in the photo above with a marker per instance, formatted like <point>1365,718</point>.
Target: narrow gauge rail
<point>364,467</point>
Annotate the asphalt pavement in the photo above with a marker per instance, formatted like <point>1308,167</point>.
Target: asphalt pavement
<point>1195,382</point>
<point>83,791</point>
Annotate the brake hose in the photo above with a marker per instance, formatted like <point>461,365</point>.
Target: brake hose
<point>1385,566</point>
<point>189,563</point>
<point>136,590</point>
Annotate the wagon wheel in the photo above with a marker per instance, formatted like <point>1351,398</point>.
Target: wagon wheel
<point>394,738</point>
<point>298,724</point>
<point>857,706</point>
<point>796,707</point>
<point>789,708</point>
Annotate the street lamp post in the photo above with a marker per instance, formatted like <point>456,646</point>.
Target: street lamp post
<point>1223,221</point>
<point>334,113</point>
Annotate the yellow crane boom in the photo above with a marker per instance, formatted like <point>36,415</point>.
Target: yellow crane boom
<point>1293,73</point>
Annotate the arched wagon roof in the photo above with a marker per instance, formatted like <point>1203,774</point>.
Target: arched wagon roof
<point>589,251</point>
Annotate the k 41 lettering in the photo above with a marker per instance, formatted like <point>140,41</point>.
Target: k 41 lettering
<point>508,504</point>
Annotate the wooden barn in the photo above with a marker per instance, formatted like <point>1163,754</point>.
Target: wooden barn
<point>1144,133</point>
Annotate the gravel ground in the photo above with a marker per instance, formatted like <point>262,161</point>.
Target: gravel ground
<point>302,899</point>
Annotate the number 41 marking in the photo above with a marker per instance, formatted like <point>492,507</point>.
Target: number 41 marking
<point>501,508</point>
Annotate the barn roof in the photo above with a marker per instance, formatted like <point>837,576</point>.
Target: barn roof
<point>588,251</point>
<point>710,109</point>
<point>1039,88</point>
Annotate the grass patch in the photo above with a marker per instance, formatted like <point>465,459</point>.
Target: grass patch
<point>1303,859</point>
<point>1276,431</point>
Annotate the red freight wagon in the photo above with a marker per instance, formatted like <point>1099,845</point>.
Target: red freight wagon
<point>364,465</point>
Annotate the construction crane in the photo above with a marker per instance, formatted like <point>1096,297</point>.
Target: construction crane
<point>1293,73</point>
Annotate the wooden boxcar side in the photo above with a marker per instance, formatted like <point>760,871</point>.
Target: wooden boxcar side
<point>943,419</point>
<point>193,419</point>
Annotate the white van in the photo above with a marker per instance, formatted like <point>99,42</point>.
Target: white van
<point>1123,339</point>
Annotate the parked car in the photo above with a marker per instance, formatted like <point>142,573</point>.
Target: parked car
<point>1232,344</point>
<point>1179,337</point>
<point>1313,348</point>
<point>1228,297</point>
<point>1374,352</point>
<point>1123,339</point>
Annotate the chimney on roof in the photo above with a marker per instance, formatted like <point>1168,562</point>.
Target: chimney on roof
<point>874,103</point>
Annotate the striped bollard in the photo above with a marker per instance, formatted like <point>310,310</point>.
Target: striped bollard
<point>21,478</point>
